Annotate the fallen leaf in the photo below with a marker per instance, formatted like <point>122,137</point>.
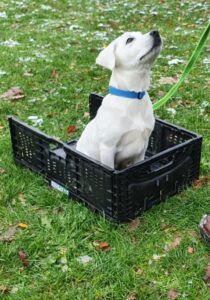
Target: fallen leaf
<point>103,246</point>
<point>9,234</point>
<point>4,289</point>
<point>14,93</point>
<point>22,226</point>
<point>132,296</point>
<point>206,277</point>
<point>133,225</point>
<point>138,271</point>
<point>164,226</point>
<point>23,257</point>
<point>51,114</point>
<point>205,225</point>
<point>173,244</point>
<point>71,129</point>
<point>203,180</point>
<point>168,80</point>
<point>2,171</point>
<point>190,250</point>
<point>54,73</point>
<point>172,294</point>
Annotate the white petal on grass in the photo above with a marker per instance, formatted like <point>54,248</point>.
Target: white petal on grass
<point>206,60</point>
<point>101,36</point>
<point>9,43</point>
<point>19,16</point>
<point>205,104</point>
<point>3,15</point>
<point>26,59</point>
<point>33,118</point>
<point>172,111</point>
<point>178,29</point>
<point>36,120</point>
<point>84,259</point>
<point>175,61</point>
<point>63,260</point>
<point>64,268</point>
<point>158,257</point>
<point>74,27</point>
<point>46,7</point>
<point>2,73</point>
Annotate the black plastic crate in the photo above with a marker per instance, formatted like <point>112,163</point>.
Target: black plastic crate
<point>172,163</point>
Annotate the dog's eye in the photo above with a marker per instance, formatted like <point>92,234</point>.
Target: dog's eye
<point>129,40</point>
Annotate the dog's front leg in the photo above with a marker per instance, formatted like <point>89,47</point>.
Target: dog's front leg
<point>107,155</point>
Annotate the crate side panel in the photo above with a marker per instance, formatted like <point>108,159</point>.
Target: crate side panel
<point>89,181</point>
<point>154,180</point>
<point>30,147</point>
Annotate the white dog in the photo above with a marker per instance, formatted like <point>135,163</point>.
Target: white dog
<point>118,136</point>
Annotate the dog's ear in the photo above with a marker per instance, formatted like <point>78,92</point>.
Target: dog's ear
<point>106,57</point>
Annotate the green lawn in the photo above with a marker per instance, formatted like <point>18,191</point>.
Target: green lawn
<point>48,49</point>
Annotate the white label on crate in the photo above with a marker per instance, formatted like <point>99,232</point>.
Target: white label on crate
<point>59,187</point>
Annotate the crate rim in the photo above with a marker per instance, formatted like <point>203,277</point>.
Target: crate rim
<point>38,131</point>
<point>107,169</point>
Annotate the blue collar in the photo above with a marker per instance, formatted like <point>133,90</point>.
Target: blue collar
<point>126,94</point>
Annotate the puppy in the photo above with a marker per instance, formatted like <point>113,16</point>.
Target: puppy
<point>118,136</point>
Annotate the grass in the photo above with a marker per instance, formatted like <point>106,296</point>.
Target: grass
<point>58,44</point>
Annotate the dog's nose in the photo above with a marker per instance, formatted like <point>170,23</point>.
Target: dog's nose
<point>155,33</point>
<point>156,36</point>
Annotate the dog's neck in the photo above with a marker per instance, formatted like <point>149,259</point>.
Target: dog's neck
<point>138,80</point>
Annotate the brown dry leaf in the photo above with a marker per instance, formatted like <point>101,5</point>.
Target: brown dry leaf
<point>190,250</point>
<point>133,225</point>
<point>206,277</point>
<point>71,129</point>
<point>203,180</point>
<point>51,114</point>
<point>23,257</point>
<point>164,226</point>
<point>168,80</point>
<point>132,296</point>
<point>14,93</point>
<point>173,244</point>
<point>54,73</point>
<point>9,234</point>
<point>4,289</point>
<point>172,294</point>
<point>138,271</point>
<point>2,171</point>
<point>102,246</point>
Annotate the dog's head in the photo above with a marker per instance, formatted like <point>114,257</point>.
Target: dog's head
<point>131,50</point>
